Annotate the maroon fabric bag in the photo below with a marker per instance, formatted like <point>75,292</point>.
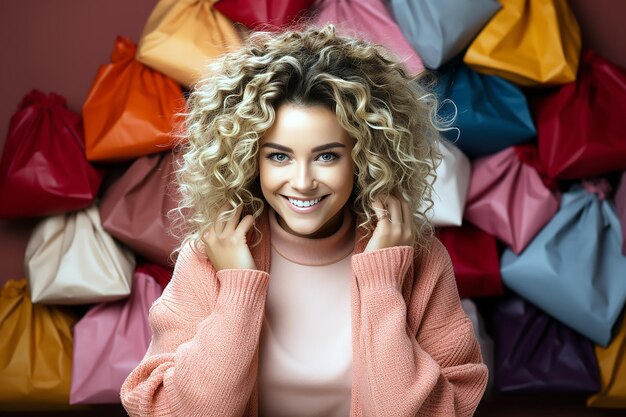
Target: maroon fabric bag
<point>475,259</point>
<point>580,127</point>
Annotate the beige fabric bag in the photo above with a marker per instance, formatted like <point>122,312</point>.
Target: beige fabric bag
<point>70,259</point>
<point>181,36</point>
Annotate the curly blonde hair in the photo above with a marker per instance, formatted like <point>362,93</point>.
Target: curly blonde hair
<point>388,113</point>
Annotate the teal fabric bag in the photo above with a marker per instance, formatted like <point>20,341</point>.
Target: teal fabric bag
<point>491,113</point>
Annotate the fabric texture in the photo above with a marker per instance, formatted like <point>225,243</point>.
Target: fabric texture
<point>414,349</point>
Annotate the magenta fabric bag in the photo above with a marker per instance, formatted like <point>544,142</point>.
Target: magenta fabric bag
<point>507,197</point>
<point>370,20</point>
<point>620,208</point>
<point>110,341</point>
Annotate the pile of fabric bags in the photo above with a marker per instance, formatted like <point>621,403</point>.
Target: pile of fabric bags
<point>530,197</point>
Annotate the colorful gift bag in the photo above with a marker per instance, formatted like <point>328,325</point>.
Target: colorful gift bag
<point>135,208</point>
<point>484,340</point>
<point>43,170</point>
<point>519,39</point>
<point>70,259</point>
<point>450,187</point>
<point>440,29</point>
<point>475,259</point>
<point>490,113</point>
<point>535,353</point>
<point>620,207</point>
<point>371,20</point>
<point>574,268</point>
<point>159,273</point>
<point>508,199</point>
<point>35,348</point>
<point>258,14</point>
<point>131,110</point>
<point>580,127</point>
<point>110,341</point>
<point>612,363</point>
<point>182,36</point>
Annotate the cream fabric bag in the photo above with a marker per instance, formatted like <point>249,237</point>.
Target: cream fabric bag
<point>70,259</point>
<point>181,36</point>
<point>450,187</point>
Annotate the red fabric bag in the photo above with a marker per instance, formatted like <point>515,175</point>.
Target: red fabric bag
<point>255,13</point>
<point>475,259</point>
<point>580,127</point>
<point>134,209</point>
<point>43,170</point>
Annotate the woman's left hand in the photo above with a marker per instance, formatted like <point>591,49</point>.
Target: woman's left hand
<point>394,226</point>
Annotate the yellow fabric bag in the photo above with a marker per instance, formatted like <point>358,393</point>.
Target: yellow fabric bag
<point>35,349</point>
<point>529,42</point>
<point>612,363</point>
<point>181,36</point>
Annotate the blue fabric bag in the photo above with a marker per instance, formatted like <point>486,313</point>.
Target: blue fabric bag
<point>440,29</point>
<point>574,269</point>
<point>491,113</point>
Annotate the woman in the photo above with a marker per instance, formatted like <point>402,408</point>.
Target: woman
<point>308,283</point>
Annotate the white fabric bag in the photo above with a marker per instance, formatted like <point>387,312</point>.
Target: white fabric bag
<point>70,259</point>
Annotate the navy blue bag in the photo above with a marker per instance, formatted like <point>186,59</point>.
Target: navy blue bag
<point>491,113</point>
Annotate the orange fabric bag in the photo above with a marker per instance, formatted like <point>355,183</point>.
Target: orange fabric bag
<point>131,110</point>
<point>35,349</point>
<point>612,363</point>
<point>529,42</point>
<point>181,36</point>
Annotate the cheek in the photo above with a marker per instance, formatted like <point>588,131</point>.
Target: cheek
<point>268,178</point>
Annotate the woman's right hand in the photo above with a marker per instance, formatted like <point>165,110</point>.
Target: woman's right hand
<point>225,242</point>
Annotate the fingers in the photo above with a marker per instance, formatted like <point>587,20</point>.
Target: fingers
<point>395,210</point>
<point>381,213</point>
<point>244,226</point>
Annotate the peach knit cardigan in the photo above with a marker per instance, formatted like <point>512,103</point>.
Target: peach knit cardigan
<point>414,350</point>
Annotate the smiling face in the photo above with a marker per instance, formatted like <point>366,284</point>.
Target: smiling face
<point>305,169</point>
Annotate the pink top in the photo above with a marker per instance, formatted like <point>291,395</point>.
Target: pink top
<point>413,348</point>
<point>305,349</point>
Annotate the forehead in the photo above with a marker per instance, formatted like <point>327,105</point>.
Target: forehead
<point>302,126</point>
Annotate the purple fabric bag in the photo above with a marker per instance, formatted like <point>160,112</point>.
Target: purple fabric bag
<point>620,208</point>
<point>535,353</point>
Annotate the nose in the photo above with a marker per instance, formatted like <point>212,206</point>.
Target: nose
<point>303,179</point>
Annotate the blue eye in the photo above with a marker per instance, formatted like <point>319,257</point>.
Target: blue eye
<point>277,157</point>
<point>328,156</point>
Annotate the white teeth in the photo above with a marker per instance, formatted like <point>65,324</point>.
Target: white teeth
<point>300,203</point>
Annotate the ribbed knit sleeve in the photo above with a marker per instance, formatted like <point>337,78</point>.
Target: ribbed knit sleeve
<point>203,357</point>
<point>419,358</point>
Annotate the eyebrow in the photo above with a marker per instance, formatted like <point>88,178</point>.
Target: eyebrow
<point>316,149</point>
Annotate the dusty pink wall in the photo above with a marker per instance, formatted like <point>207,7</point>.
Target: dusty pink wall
<point>54,46</point>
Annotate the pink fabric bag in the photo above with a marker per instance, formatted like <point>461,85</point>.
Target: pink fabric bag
<point>507,197</point>
<point>135,208</point>
<point>110,341</point>
<point>370,20</point>
<point>620,208</point>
